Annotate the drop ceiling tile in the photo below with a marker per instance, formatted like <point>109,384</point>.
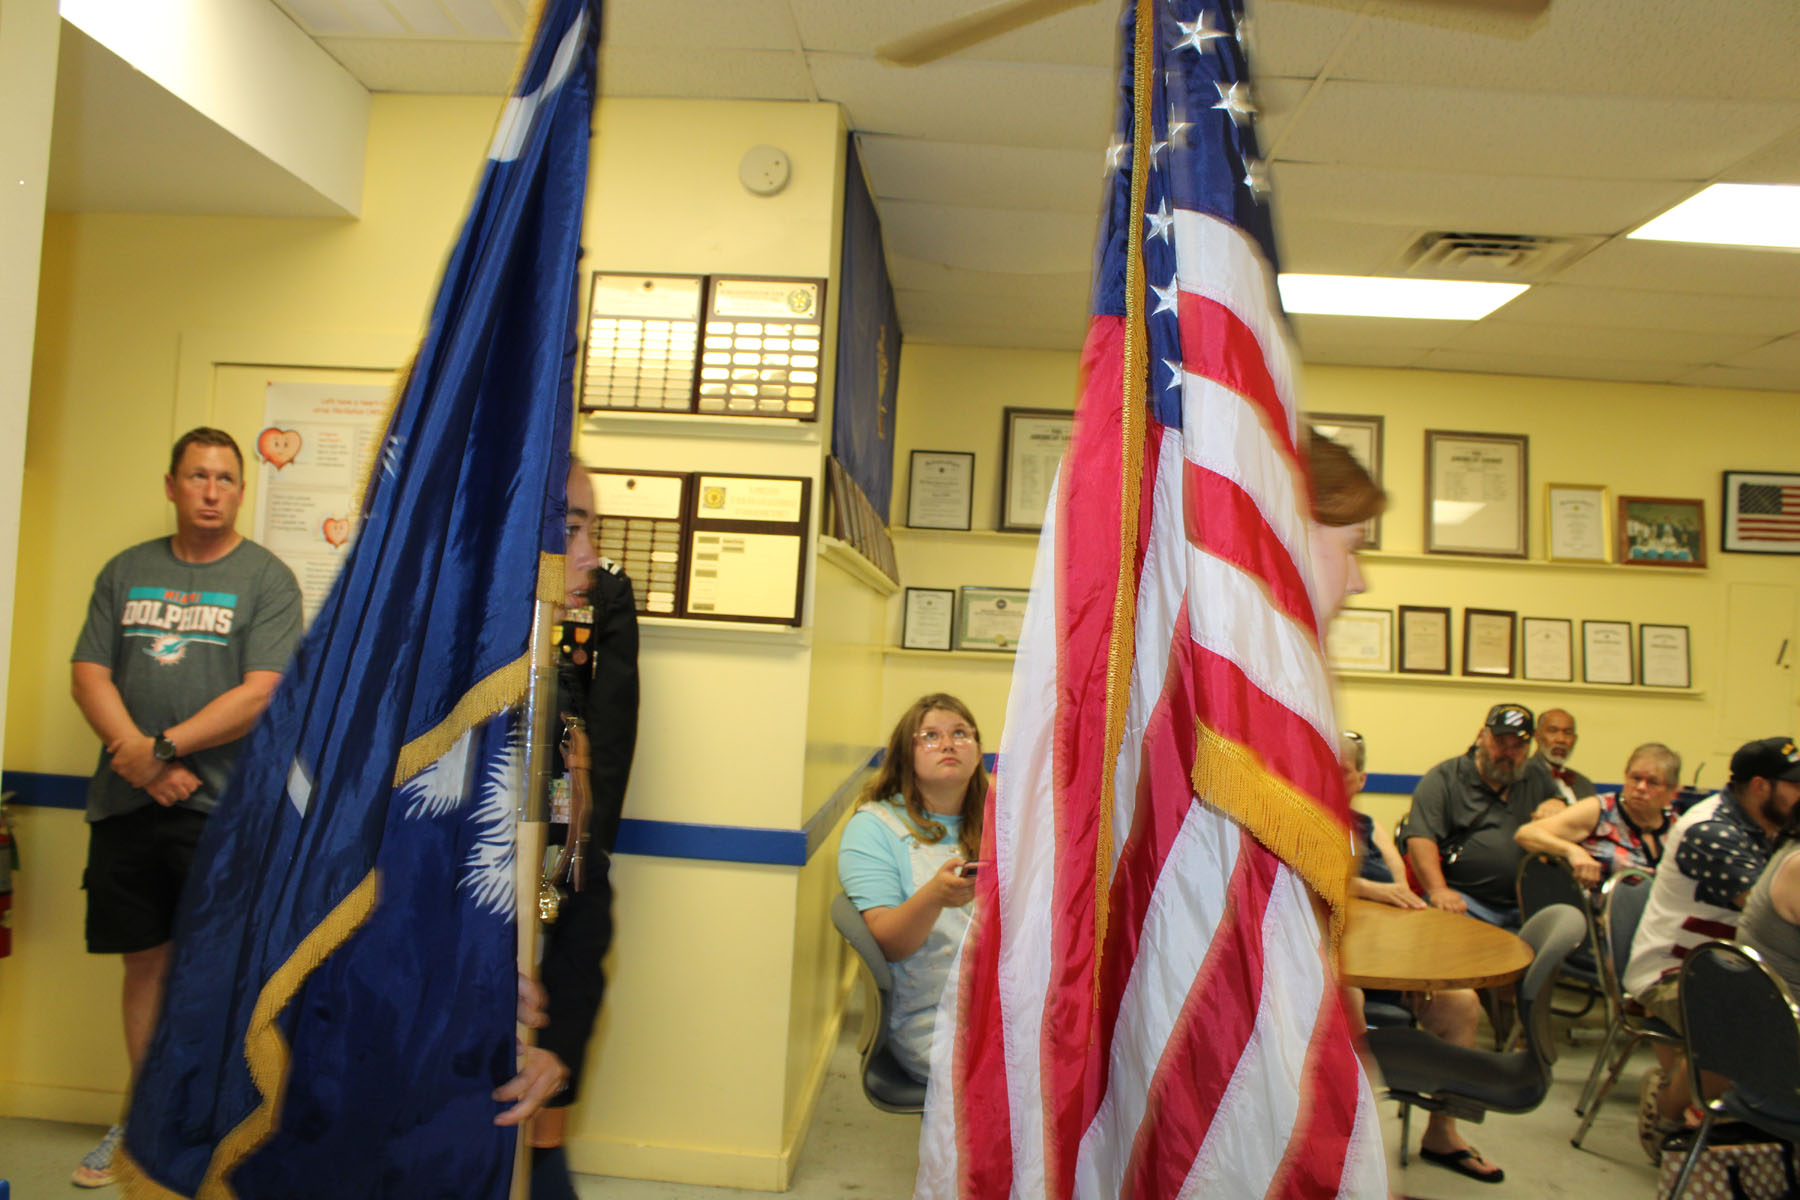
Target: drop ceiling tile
<point>1627,370</point>
<point>1778,162</point>
<point>1767,380</point>
<point>917,275</point>
<point>318,17</point>
<point>700,24</point>
<point>443,66</point>
<point>1715,270</point>
<point>989,239</point>
<point>1350,354</point>
<point>1007,337</point>
<point>483,18</point>
<point>983,176</point>
<point>1497,336</point>
<point>1376,333</point>
<point>425,18</point>
<point>1295,39</point>
<point>1491,132</point>
<point>1782,354</point>
<point>1082,36</point>
<point>1314,246</point>
<point>984,103</point>
<point>1745,49</point>
<point>1027,308</point>
<point>1471,203</point>
<point>1691,312</point>
<point>704,74</point>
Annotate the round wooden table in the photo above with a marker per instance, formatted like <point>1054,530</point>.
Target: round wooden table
<point>1425,950</point>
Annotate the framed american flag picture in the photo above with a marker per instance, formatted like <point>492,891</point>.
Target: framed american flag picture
<point>1761,513</point>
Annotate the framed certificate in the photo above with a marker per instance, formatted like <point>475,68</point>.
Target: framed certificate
<point>1663,656</point>
<point>1549,649</point>
<point>991,618</point>
<point>1034,441</point>
<point>1577,522</point>
<point>940,489</point>
<point>1606,652</point>
<point>1488,641</point>
<point>1760,513</point>
<point>1661,531</point>
<point>1361,639</point>
<point>1361,436</point>
<point>1424,640</point>
<point>1475,492</point>
<point>930,619</point>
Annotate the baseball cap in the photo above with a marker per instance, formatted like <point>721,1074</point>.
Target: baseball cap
<point>1510,718</point>
<point>1767,758</point>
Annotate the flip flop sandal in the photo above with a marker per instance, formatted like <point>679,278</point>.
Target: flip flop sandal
<point>1462,1162</point>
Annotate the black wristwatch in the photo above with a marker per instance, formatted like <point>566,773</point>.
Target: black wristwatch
<point>164,749</point>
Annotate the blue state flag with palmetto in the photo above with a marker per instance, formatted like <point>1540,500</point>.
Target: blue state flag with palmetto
<point>341,1000</point>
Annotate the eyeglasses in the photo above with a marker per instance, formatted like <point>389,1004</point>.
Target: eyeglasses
<point>934,738</point>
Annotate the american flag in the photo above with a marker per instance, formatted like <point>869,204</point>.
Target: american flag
<point>1144,1005</point>
<point>1768,512</point>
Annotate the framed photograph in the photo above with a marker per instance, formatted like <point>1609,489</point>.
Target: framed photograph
<point>1549,649</point>
<point>1361,639</point>
<point>1475,492</point>
<point>1662,531</point>
<point>1361,436</point>
<point>1761,513</point>
<point>1034,440</point>
<point>1663,659</point>
<point>1606,652</point>
<point>1424,640</point>
<point>940,489</point>
<point>991,618</point>
<point>929,621</point>
<point>1488,641</point>
<point>1577,523</point>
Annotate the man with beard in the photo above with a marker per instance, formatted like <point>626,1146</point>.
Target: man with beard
<point>1465,811</point>
<point>1555,742</point>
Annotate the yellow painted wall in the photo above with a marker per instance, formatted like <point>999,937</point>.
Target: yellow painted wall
<point>1638,439</point>
<point>723,989</point>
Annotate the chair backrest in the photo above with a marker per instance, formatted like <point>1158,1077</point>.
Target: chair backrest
<point>1741,1023</point>
<point>850,923</point>
<point>1543,881</point>
<point>1552,935</point>
<point>1623,898</point>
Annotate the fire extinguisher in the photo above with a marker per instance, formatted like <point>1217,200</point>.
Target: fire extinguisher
<point>9,858</point>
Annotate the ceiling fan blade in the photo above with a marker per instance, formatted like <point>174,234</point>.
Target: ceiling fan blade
<point>929,45</point>
<point>1512,18</point>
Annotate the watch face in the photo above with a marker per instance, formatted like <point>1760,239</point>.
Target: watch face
<point>164,749</point>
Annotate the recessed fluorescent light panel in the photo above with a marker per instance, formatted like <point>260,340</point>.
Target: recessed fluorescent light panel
<point>1378,296</point>
<point>1732,214</point>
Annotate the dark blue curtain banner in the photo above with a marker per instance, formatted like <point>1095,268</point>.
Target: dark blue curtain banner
<point>868,350</point>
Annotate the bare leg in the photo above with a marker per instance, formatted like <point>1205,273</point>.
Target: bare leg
<point>145,971</point>
<point>1454,1016</point>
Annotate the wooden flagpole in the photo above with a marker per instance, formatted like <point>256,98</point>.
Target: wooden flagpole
<point>533,826</point>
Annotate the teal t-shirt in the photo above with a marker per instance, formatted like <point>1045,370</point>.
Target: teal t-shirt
<point>873,866</point>
<point>176,635</point>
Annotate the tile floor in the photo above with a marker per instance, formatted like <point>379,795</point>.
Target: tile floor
<point>854,1150</point>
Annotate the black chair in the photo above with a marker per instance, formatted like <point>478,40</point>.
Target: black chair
<point>1623,898</point>
<point>1544,881</point>
<point>1423,1070</point>
<point>1741,1023</point>
<point>885,1082</point>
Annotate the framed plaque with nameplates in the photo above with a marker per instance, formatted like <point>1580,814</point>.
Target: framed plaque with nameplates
<point>643,337</point>
<point>746,545</point>
<point>640,523</point>
<point>762,347</point>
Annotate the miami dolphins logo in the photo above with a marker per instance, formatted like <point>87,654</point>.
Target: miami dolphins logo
<point>168,649</point>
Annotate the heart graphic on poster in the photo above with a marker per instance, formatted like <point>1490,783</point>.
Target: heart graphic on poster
<point>278,447</point>
<point>337,530</point>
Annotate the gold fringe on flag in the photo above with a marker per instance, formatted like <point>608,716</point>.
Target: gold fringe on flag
<point>1120,653</point>
<point>266,1050</point>
<point>1232,778</point>
<point>551,588</point>
<point>498,692</point>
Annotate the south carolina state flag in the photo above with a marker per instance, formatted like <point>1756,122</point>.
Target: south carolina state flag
<point>1144,1006</point>
<point>342,997</point>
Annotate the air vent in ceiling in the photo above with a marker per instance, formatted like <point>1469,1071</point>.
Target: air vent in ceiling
<point>1496,257</point>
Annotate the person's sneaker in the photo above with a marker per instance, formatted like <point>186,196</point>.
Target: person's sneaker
<point>96,1169</point>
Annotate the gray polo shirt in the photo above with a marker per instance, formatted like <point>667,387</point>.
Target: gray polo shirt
<point>1473,825</point>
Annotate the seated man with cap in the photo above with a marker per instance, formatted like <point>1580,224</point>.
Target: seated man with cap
<point>1711,860</point>
<point>1465,811</point>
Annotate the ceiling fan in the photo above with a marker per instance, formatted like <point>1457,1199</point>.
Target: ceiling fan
<point>1516,17</point>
